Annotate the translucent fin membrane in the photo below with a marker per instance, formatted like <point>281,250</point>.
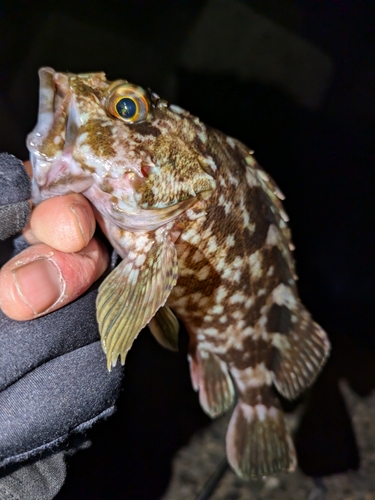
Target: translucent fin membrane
<point>210,375</point>
<point>130,296</point>
<point>165,327</point>
<point>258,442</point>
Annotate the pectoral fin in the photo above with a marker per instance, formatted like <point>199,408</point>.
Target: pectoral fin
<point>164,327</point>
<point>130,296</point>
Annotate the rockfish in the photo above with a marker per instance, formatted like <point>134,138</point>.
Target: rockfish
<point>203,237</point>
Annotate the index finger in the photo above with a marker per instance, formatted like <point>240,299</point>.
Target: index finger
<point>66,223</point>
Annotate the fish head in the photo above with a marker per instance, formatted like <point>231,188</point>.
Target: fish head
<point>140,161</point>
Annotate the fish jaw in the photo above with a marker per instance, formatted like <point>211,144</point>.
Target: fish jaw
<point>55,172</point>
<point>64,151</point>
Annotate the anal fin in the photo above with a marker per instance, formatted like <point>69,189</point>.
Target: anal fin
<point>210,376</point>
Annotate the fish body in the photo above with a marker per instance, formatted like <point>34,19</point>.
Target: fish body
<point>202,232</point>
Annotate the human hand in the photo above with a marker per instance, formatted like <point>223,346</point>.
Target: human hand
<point>53,378</point>
<point>62,262</point>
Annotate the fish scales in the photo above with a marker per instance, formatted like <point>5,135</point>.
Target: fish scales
<point>203,237</point>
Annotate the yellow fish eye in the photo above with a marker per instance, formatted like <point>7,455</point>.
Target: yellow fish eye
<point>127,102</point>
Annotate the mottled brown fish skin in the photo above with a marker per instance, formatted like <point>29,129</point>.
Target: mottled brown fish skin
<point>237,296</point>
<point>202,232</point>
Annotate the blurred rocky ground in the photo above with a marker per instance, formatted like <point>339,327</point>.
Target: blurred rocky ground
<point>196,462</point>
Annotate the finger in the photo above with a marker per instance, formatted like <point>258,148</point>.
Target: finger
<point>28,167</point>
<point>41,279</point>
<point>66,223</point>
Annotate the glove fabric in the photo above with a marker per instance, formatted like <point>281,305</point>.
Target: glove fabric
<point>54,383</point>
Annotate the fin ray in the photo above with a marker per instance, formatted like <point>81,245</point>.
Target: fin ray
<point>258,441</point>
<point>300,354</point>
<point>210,375</point>
<point>164,327</point>
<point>130,296</point>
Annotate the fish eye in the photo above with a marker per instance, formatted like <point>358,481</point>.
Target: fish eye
<point>127,108</point>
<point>127,102</point>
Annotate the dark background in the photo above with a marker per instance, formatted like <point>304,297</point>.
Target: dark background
<point>294,81</point>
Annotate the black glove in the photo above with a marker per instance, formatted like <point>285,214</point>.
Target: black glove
<point>14,195</point>
<point>54,381</point>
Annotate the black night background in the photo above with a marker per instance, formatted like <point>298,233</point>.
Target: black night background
<point>295,82</point>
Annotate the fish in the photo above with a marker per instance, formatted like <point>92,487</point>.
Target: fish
<point>204,240</point>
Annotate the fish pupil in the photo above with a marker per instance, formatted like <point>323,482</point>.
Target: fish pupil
<point>126,107</point>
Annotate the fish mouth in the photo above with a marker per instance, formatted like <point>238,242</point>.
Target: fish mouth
<point>51,142</point>
<point>57,169</point>
<point>47,142</point>
<point>54,95</point>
